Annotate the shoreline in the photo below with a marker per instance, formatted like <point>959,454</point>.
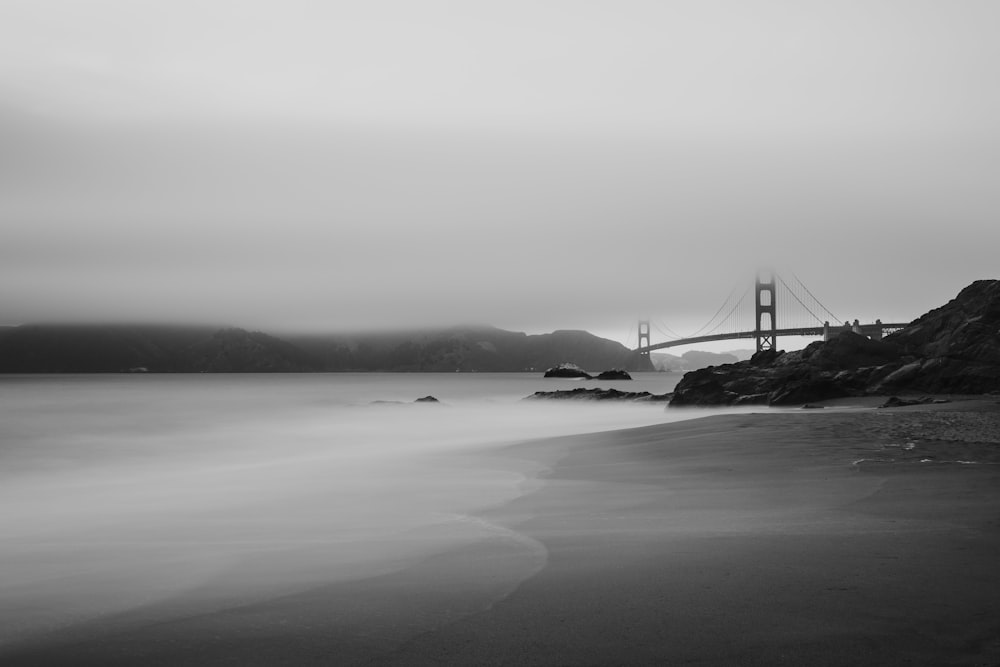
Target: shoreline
<point>782,553</point>
<point>736,539</point>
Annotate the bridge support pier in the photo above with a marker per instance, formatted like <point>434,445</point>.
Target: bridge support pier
<point>644,337</point>
<point>766,328</point>
<point>767,325</point>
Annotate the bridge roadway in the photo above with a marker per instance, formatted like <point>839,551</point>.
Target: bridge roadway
<point>879,329</point>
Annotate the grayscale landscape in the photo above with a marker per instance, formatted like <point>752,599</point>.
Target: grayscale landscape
<point>499,333</point>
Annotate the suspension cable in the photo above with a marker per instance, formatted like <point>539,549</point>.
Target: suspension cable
<point>796,296</point>
<point>741,309</point>
<point>833,318</point>
<point>669,333</point>
<point>724,319</point>
<point>712,319</point>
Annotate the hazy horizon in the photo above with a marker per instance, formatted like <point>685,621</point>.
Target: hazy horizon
<point>737,346</point>
<point>533,166</point>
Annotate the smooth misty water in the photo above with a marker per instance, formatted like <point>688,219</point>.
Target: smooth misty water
<point>120,493</point>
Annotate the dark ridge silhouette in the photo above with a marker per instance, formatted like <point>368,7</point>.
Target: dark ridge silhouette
<point>165,349</point>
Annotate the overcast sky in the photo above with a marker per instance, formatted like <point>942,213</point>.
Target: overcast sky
<point>530,164</point>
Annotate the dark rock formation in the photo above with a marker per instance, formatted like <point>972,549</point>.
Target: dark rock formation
<point>596,394</point>
<point>897,402</point>
<point>818,372</point>
<point>614,374</point>
<point>425,399</point>
<point>567,371</point>
<point>953,349</point>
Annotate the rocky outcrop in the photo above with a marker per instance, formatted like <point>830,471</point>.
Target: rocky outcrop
<point>574,371</point>
<point>897,402</point>
<point>953,349</point>
<point>614,374</point>
<point>821,371</point>
<point>567,371</point>
<point>582,394</point>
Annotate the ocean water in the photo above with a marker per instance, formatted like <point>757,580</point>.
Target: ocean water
<point>161,494</point>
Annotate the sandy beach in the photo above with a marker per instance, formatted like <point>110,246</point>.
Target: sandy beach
<point>841,536</point>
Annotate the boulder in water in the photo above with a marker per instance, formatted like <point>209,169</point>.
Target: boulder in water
<point>583,394</point>
<point>614,374</point>
<point>567,371</point>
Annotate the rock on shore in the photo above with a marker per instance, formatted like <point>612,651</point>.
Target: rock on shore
<point>597,394</point>
<point>953,349</point>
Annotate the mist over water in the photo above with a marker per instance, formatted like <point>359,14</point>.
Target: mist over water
<point>179,493</point>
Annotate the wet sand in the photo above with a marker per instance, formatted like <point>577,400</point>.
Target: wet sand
<point>819,537</point>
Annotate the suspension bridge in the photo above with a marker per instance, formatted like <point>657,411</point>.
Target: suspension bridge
<point>741,316</point>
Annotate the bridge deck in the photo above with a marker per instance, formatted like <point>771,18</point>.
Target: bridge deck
<point>801,331</point>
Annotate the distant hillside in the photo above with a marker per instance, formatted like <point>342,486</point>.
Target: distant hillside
<point>693,360</point>
<point>95,349</point>
<point>484,349</point>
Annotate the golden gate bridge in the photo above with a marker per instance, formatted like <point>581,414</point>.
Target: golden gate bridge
<point>743,317</point>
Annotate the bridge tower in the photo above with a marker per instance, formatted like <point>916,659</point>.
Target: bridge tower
<point>644,336</point>
<point>767,324</point>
